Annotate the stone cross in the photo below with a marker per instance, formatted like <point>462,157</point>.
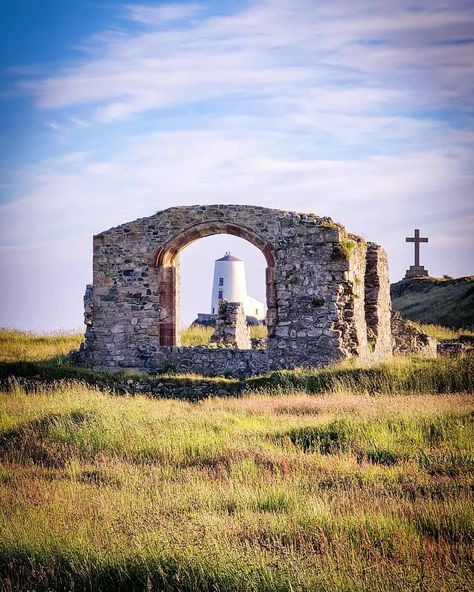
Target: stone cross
<point>416,270</point>
<point>417,239</point>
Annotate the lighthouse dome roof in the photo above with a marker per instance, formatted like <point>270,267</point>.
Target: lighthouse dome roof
<point>229,257</point>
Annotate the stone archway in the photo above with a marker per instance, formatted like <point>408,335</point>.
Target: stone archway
<point>166,258</point>
<point>325,288</point>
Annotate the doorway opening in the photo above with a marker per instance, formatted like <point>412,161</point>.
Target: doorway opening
<point>232,265</point>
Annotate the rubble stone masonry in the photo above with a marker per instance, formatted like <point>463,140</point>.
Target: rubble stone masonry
<point>327,292</point>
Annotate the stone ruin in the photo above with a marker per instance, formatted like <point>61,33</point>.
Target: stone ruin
<point>408,339</point>
<point>231,326</point>
<point>327,293</point>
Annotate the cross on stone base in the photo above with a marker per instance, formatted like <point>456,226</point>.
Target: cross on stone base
<point>416,270</point>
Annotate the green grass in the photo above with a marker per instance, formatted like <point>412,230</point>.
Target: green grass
<point>42,358</point>
<point>401,375</point>
<point>196,335</point>
<point>30,347</point>
<point>445,333</point>
<point>313,482</point>
<point>436,301</point>
<point>336,492</point>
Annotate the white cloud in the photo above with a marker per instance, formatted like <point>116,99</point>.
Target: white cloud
<point>324,107</point>
<point>78,195</point>
<point>275,48</point>
<point>46,235</point>
<point>158,14</point>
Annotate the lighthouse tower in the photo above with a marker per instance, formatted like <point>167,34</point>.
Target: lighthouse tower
<point>230,284</point>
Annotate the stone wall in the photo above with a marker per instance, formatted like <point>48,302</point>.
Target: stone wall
<point>315,278</point>
<point>214,361</point>
<point>377,302</point>
<point>207,320</point>
<point>231,326</point>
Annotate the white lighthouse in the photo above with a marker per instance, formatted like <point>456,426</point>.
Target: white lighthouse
<point>230,284</point>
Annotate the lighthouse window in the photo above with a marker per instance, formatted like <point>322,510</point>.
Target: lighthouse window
<point>221,281</point>
<point>220,295</point>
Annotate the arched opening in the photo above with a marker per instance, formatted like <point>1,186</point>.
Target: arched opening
<point>215,268</point>
<point>167,263</point>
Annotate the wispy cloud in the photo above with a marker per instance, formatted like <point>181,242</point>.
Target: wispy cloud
<point>272,48</point>
<point>78,194</point>
<point>155,15</point>
<point>360,111</point>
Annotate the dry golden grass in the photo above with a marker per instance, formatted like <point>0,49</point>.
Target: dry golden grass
<point>29,346</point>
<point>281,490</point>
<point>264,492</point>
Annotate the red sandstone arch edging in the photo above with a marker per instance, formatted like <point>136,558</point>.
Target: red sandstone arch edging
<point>166,255</point>
<point>165,260</point>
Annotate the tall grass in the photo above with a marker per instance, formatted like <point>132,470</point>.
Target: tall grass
<point>196,335</point>
<point>28,346</point>
<point>445,333</point>
<point>270,492</point>
<point>400,375</point>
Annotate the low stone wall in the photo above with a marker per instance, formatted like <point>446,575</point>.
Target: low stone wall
<point>174,388</point>
<point>227,360</point>
<point>210,361</point>
<point>206,320</point>
<point>454,348</point>
<point>203,360</point>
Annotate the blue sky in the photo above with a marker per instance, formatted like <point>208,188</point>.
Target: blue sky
<point>109,111</point>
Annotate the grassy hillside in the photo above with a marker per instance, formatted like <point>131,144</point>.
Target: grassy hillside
<point>436,301</point>
<point>281,489</point>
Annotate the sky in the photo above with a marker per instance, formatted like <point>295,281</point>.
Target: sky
<point>111,111</point>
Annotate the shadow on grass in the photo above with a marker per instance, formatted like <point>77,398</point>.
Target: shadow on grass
<point>33,375</point>
<point>413,375</point>
<point>32,442</point>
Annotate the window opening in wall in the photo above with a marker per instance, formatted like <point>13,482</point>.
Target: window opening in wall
<point>216,268</point>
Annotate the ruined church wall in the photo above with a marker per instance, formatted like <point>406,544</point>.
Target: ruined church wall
<point>378,304</point>
<point>352,296</point>
<point>317,312</point>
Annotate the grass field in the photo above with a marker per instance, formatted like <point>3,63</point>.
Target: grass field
<point>20,346</point>
<point>276,490</point>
